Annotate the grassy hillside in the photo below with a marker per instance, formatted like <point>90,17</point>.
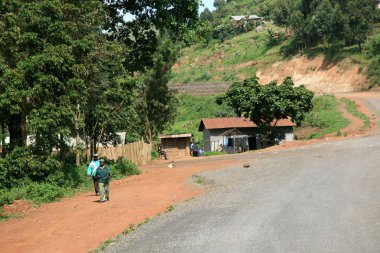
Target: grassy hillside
<point>234,54</point>
<point>229,61</point>
<point>241,56</point>
<point>192,109</point>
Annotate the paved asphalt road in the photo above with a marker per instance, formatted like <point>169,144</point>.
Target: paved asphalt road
<point>318,198</point>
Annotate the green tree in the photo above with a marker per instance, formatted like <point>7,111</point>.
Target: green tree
<point>109,96</point>
<point>159,103</point>
<point>322,20</point>
<point>150,18</point>
<point>266,104</point>
<point>36,63</point>
<point>299,26</point>
<point>200,34</point>
<point>282,12</point>
<point>219,3</point>
<point>59,75</point>
<point>206,15</point>
<point>360,14</point>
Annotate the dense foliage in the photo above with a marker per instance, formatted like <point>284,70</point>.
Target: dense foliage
<point>310,21</point>
<point>326,21</point>
<point>77,69</point>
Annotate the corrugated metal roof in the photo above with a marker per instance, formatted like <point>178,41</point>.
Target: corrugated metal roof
<point>254,17</point>
<point>250,17</point>
<point>236,122</point>
<point>169,136</point>
<point>237,18</point>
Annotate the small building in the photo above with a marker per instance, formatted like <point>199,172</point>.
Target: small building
<point>241,134</point>
<point>248,22</point>
<point>241,18</point>
<point>176,145</point>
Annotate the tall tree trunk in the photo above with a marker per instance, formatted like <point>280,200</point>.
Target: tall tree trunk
<point>77,151</point>
<point>62,147</point>
<point>17,130</point>
<point>2,137</point>
<point>149,129</point>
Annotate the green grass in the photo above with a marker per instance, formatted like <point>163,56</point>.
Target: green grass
<point>221,61</point>
<point>326,116</point>
<point>199,180</point>
<point>214,153</point>
<point>192,109</point>
<point>353,109</point>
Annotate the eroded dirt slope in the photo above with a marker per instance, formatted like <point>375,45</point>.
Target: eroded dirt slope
<point>317,74</point>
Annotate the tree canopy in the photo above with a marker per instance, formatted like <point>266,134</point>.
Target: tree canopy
<point>266,104</point>
<point>77,68</point>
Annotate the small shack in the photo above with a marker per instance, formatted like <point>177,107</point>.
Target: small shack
<point>240,134</point>
<point>176,145</point>
<point>248,22</point>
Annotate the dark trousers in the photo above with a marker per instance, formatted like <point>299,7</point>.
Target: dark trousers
<point>96,184</point>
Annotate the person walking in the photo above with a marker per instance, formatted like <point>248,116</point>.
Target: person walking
<point>91,170</point>
<point>103,174</point>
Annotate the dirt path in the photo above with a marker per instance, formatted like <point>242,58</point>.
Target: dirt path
<point>80,224</point>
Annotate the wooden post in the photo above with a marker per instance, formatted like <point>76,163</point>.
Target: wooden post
<point>234,134</point>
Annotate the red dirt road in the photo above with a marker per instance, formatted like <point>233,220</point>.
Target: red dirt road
<point>80,224</point>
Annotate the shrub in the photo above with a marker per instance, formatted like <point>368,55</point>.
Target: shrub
<point>20,168</point>
<point>373,71</point>
<point>8,196</point>
<point>43,193</point>
<point>69,176</point>
<point>155,154</point>
<point>123,167</point>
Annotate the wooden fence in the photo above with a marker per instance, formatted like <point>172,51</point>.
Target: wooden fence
<point>137,152</point>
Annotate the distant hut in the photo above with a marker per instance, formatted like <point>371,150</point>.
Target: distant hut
<point>176,145</point>
<point>244,21</point>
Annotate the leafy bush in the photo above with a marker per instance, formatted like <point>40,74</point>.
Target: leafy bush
<point>69,176</point>
<point>8,196</point>
<point>43,193</point>
<point>123,167</point>
<point>275,39</point>
<point>373,71</point>
<point>155,154</point>
<point>20,168</point>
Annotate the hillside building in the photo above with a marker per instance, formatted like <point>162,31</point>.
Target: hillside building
<point>246,21</point>
<point>237,134</point>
